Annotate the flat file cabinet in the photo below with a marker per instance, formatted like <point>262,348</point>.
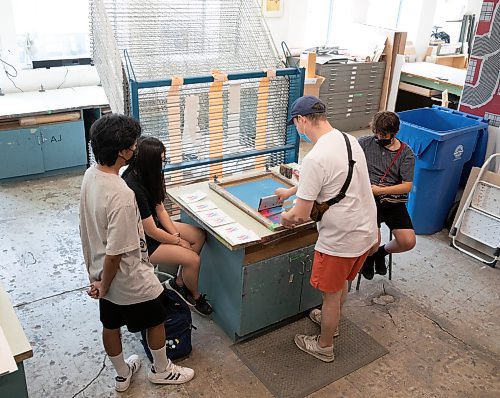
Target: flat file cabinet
<point>351,92</point>
<point>42,148</point>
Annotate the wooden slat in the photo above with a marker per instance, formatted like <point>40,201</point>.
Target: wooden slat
<point>262,251</point>
<point>412,88</point>
<point>46,119</point>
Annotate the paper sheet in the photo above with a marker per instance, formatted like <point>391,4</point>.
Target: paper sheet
<point>261,121</point>
<point>193,196</point>
<point>7,362</point>
<point>202,206</point>
<point>215,109</point>
<point>215,217</point>
<point>236,234</point>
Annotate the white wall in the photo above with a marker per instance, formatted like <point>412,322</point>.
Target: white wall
<point>417,18</point>
<point>304,24</point>
<point>30,80</point>
<point>474,7</point>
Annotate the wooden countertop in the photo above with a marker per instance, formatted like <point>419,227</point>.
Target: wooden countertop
<point>19,345</point>
<point>51,101</point>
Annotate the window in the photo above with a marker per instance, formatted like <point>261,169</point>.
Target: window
<point>486,11</point>
<point>384,13</point>
<point>51,29</point>
<point>471,71</point>
<point>448,17</point>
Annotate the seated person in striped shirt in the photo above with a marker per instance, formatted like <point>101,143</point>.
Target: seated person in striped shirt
<point>390,167</point>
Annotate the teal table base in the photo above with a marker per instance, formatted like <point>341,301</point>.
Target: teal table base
<point>250,297</point>
<point>13,385</point>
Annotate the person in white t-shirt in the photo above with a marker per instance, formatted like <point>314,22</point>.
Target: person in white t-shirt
<point>347,230</point>
<point>116,256</point>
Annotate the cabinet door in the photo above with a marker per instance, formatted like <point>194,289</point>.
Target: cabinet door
<point>63,145</point>
<point>310,297</point>
<point>271,291</point>
<point>20,153</point>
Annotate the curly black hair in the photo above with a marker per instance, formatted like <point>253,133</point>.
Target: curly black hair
<point>111,134</point>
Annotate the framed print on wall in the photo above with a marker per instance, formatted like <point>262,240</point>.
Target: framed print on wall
<point>272,8</point>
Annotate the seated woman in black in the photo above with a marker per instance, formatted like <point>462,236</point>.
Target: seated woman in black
<point>169,242</point>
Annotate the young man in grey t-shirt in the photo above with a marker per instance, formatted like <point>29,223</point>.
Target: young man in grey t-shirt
<point>390,167</point>
<point>116,257</point>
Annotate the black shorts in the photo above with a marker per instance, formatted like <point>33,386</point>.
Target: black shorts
<point>394,215</point>
<point>136,317</point>
<point>153,244</point>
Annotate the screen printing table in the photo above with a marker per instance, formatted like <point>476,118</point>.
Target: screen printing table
<point>252,285</point>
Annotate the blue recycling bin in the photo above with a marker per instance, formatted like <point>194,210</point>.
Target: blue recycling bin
<point>443,141</point>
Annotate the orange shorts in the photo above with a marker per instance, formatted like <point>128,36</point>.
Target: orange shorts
<point>329,273</point>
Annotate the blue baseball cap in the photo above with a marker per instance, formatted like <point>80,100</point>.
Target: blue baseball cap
<point>306,105</point>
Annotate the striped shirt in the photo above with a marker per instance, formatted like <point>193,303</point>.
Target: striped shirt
<point>379,159</point>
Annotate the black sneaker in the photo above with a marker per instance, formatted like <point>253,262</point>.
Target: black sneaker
<point>368,271</point>
<point>202,306</point>
<point>380,267</point>
<point>182,291</point>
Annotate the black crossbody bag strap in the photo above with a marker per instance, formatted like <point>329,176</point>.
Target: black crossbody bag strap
<point>343,190</point>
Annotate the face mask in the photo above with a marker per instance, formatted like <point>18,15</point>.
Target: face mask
<point>304,137</point>
<point>383,141</point>
<point>134,155</point>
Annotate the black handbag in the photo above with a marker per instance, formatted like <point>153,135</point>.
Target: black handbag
<point>319,209</point>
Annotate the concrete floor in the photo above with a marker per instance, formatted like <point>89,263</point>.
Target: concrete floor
<point>442,331</point>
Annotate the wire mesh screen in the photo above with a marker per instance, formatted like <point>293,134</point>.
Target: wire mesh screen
<point>177,37</point>
<point>242,147</point>
<point>155,108</point>
<point>140,46</point>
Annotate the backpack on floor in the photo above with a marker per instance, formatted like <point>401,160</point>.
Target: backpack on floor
<point>178,326</point>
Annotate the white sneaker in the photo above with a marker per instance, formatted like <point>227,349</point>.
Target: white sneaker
<point>174,374</point>
<point>310,344</point>
<point>123,383</point>
<point>315,316</point>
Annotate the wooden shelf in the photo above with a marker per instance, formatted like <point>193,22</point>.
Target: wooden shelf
<point>455,61</point>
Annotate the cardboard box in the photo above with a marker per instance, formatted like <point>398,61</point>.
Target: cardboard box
<point>308,61</point>
<point>312,85</point>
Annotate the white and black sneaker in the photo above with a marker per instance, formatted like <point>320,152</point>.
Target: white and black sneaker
<point>123,383</point>
<point>174,374</point>
<point>181,291</point>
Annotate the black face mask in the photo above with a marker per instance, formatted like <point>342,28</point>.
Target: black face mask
<point>132,158</point>
<point>383,142</point>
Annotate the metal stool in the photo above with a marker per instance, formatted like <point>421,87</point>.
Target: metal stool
<point>389,267</point>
